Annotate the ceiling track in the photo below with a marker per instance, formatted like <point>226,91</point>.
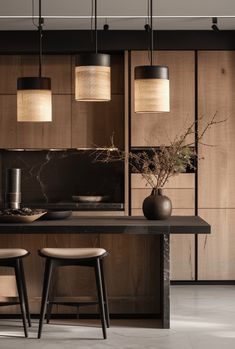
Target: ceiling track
<point>118,17</point>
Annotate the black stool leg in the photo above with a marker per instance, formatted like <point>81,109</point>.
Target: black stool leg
<point>49,311</point>
<point>45,292</point>
<point>100,296</point>
<point>106,305</point>
<point>25,292</point>
<point>21,295</point>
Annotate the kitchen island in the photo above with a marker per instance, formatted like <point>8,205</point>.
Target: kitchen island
<point>121,225</point>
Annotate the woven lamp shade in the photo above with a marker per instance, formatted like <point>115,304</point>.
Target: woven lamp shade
<point>34,100</point>
<point>152,89</point>
<point>92,78</point>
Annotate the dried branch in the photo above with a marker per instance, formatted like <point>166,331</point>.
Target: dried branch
<point>164,162</point>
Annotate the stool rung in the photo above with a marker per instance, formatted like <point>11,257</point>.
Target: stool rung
<point>74,304</point>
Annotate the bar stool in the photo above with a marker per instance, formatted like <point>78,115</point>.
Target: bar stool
<point>89,257</point>
<point>12,257</point>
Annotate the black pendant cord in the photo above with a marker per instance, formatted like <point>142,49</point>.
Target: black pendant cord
<point>151,32</point>
<point>40,24</point>
<point>96,27</point>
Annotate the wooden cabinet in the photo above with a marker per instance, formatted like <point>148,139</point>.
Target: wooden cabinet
<point>216,189</point>
<point>216,78</point>
<point>161,128</point>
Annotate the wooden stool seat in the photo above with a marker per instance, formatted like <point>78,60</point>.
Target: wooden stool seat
<point>12,258</point>
<point>88,257</point>
<point>6,253</point>
<point>73,253</point>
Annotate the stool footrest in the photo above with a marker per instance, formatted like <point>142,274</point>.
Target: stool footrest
<point>74,304</point>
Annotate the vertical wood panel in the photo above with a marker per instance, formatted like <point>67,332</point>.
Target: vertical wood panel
<point>216,250</point>
<point>216,78</point>
<point>9,72</point>
<point>216,95</point>
<point>94,123</point>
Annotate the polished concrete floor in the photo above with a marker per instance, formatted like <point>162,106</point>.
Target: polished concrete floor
<point>201,317</point>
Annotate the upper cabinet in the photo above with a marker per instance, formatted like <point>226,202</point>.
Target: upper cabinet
<point>161,128</point>
<point>74,124</point>
<point>216,81</point>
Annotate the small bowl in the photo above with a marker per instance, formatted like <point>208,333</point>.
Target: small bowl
<point>52,215</point>
<point>89,198</point>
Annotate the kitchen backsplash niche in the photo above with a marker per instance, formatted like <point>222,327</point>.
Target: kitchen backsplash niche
<point>55,176</point>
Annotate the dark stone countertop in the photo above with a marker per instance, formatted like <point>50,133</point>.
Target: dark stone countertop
<point>111,225</point>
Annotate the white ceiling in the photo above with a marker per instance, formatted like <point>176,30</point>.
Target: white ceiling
<point>109,8</point>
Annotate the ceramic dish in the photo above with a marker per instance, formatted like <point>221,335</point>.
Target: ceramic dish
<point>89,198</point>
<point>51,215</point>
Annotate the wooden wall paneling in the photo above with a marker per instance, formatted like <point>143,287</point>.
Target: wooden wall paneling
<point>94,123</point>
<point>181,198</point>
<point>9,72</point>
<point>8,130</point>
<point>132,271</point>
<point>56,67</point>
<point>161,128</point>
<point>216,250</point>
<point>216,78</point>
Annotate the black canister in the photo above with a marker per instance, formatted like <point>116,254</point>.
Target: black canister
<point>13,188</point>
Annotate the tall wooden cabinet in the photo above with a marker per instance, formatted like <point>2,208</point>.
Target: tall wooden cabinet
<point>216,189</point>
<point>152,130</point>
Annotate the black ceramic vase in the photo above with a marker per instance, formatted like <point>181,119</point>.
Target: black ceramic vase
<point>157,205</point>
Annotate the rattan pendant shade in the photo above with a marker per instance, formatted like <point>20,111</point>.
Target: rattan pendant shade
<point>92,78</point>
<point>34,99</point>
<point>152,89</point>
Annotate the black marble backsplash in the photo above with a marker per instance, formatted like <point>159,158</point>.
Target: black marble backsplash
<point>53,177</point>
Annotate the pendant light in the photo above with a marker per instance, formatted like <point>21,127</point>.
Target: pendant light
<point>151,84</point>
<point>92,74</point>
<point>34,97</point>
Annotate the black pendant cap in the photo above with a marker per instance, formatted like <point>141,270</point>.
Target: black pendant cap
<point>95,59</point>
<point>33,83</point>
<point>151,72</point>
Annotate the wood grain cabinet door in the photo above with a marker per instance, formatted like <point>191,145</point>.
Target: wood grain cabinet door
<point>216,190</point>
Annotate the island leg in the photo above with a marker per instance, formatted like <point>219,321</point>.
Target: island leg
<point>165,280</point>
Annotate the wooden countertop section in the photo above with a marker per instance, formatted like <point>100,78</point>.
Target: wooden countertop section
<point>111,225</point>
